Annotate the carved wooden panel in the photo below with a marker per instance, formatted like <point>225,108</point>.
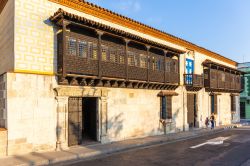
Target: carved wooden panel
<point>213,78</point>
<point>136,73</point>
<point>110,69</point>
<point>221,79</point>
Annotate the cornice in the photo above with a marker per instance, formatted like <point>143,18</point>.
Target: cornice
<point>99,12</point>
<point>70,17</point>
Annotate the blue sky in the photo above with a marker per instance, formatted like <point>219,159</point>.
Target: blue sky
<point>222,26</point>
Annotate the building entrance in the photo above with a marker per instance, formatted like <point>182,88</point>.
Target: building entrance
<point>82,120</point>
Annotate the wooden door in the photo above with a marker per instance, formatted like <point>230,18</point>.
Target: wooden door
<point>75,121</point>
<point>191,109</point>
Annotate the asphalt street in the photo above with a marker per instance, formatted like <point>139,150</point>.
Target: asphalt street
<point>228,148</point>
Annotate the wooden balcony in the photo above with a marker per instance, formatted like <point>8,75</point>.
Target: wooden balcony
<point>83,60</point>
<point>193,81</point>
<point>217,80</point>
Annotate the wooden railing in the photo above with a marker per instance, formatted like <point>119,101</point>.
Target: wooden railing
<point>72,60</point>
<point>193,80</point>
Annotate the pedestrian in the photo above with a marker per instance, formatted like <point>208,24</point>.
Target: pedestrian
<point>207,122</point>
<point>212,121</point>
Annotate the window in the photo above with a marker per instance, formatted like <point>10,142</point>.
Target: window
<point>93,51</point>
<point>71,46</point>
<point>189,66</point>
<point>158,64</point>
<point>166,107</point>
<point>175,66</point>
<point>104,53</point>
<point>137,60</point>
<point>131,59</point>
<point>232,78</point>
<point>223,77</point>
<point>113,56</point>
<point>213,74</point>
<point>143,61</point>
<point>168,66</point>
<point>154,63</point>
<point>82,48</point>
<point>121,56</point>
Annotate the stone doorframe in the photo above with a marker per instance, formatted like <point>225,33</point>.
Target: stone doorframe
<point>62,95</point>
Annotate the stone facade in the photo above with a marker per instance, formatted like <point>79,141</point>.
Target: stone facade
<point>34,108</point>
<point>31,113</point>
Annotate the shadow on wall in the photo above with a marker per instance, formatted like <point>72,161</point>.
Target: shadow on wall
<point>55,30</point>
<point>171,127</point>
<point>115,124</point>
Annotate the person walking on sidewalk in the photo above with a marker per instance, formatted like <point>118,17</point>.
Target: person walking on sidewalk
<point>212,121</point>
<point>207,122</point>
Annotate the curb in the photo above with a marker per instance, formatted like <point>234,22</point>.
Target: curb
<point>91,156</point>
<point>62,159</point>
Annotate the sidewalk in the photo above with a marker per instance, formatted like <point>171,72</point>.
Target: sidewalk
<point>85,152</point>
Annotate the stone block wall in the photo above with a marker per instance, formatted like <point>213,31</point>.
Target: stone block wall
<point>31,113</point>
<point>3,115</point>
<point>134,113</point>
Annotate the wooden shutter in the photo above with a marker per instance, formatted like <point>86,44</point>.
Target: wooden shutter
<point>215,104</point>
<point>166,107</point>
<point>169,107</point>
<point>233,104</point>
<point>104,53</point>
<point>163,107</point>
<point>213,78</point>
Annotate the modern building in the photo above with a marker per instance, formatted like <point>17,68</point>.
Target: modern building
<point>72,73</point>
<point>245,95</point>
